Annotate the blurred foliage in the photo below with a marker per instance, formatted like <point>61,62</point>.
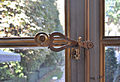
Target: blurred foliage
<point>23,18</point>
<point>110,64</point>
<point>26,17</point>
<point>56,73</point>
<point>112,17</point>
<point>10,70</point>
<point>113,12</point>
<point>54,58</point>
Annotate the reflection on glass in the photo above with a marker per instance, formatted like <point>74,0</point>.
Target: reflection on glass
<point>23,18</point>
<point>112,17</point>
<point>112,64</point>
<point>31,65</point>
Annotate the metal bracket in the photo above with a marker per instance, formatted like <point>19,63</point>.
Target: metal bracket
<point>83,44</point>
<point>58,42</point>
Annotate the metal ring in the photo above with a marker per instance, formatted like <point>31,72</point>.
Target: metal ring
<point>42,39</point>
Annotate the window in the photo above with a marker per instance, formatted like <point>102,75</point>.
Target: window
<point>109,41</point>
<point>20,20</point>
<point>112,18</point>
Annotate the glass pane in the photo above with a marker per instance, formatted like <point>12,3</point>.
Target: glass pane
<point>112,17</point>
<point>31,65</point>
<point>25,18</point>
<point>112,64</point>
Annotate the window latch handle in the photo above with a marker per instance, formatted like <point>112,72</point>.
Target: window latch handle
<point>57,42</point>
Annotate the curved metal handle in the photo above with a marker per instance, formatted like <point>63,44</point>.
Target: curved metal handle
<point>55,41</point>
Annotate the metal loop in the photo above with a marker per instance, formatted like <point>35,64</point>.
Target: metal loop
<point>42,39</point>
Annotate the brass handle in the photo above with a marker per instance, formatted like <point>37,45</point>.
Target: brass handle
<point>57,42</point>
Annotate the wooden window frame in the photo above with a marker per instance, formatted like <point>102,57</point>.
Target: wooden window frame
<point>105,41</point>
<point>14,42</point>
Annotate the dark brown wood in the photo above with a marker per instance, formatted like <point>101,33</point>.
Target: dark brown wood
<point>102,62</point>
<point>111,42</point>
<point>102,5</point>
<point>67,34</point>
<point>87,52</point>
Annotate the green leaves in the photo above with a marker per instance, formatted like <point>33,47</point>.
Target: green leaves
<point>10,70</point>
<point>113,11</point>
<point>23,18</point>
